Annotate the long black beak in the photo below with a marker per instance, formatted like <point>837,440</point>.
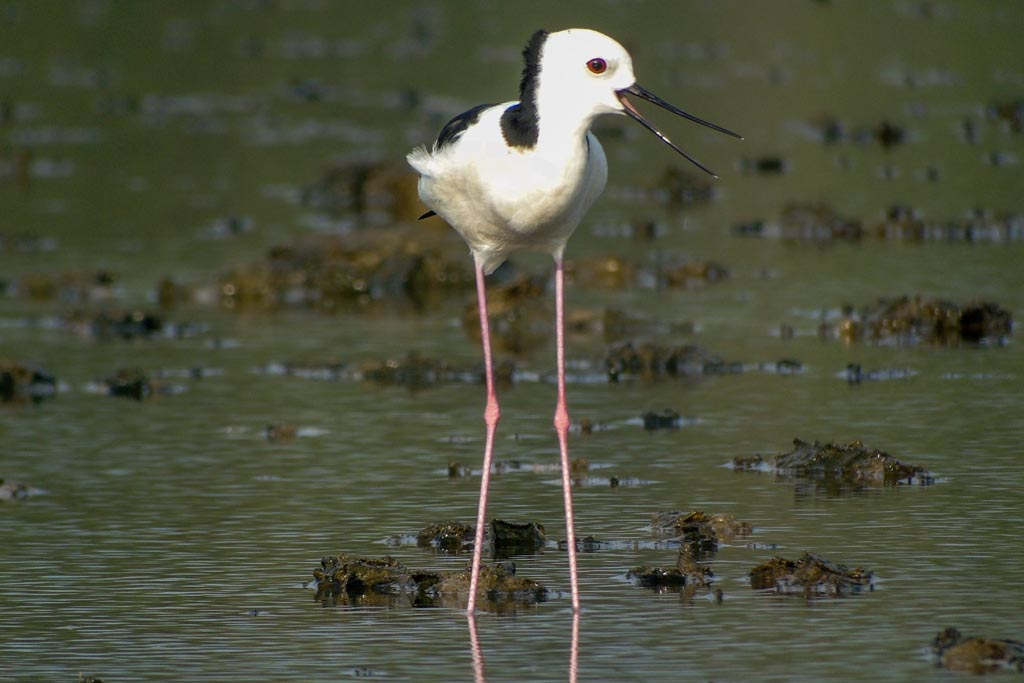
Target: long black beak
<point>635,114</point>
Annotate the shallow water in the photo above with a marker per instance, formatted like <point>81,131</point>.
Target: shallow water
<point>171,539</point>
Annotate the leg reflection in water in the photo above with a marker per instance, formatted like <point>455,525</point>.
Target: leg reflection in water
<point>478,655</point>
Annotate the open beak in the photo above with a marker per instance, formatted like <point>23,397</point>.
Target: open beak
<point>635,114</point>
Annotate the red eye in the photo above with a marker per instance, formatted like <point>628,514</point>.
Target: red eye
<point>597,65</point>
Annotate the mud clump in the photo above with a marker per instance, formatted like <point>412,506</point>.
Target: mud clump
<point>852,464</point>
<point>684,188</point>
<point>414,370</point>
<point>345,580</point>
<point>686,576</point>
<point>650,360</point>
<point>510,538</point>
<point>976,655</point>
<point>698,529</point>
<point>923,320</point>
<point>518,317</point>
<point>666,419</point>
<point>821,223</point>
<point>367,188</point>
<point>699,533</point>
<point>447,537</point>
<point>130,383</point>
<point>25,382</point>
<point>498,584</point>
<point>69,287</point>
<point>809,576</point>
<point>667,578</point>
<point>353,578</point>
<point>332,272</point>
<point>504,539</point>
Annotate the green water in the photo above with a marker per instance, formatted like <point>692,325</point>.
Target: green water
<point>171,539</point>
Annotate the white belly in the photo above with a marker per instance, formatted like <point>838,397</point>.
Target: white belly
<point>503,201</point>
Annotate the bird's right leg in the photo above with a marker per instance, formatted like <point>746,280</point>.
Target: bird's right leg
<point>491,415</point>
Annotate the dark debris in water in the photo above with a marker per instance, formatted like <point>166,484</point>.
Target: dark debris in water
<point>22,382</point>
<point>810,576</point>
<point>976,655</point>
<point>925,320</point>
<point>666,419</point>
<point>136,384</point>
<point>68,287</point>
<point>854,373</point>
<point>354,581</point>
<point>1009,111</point>
<point>819,222</point>
<point>14,490</point>
<point>649,361</point>
<point>840,465</point>
<point>365,188</point>
<point>616,272</point>
<point>329,273</point>
<point>930,321</point>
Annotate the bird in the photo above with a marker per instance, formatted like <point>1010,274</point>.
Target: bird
<point>521,175</point>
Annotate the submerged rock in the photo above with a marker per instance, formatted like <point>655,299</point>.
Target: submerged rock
<point>809,576</point>
<point>975,655</point>
<point>851,463</point>
<point>21,381</point>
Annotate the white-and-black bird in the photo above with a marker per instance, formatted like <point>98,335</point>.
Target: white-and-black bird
<point>521,176</point>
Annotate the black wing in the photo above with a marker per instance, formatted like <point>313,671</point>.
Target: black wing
<point>458,125</point>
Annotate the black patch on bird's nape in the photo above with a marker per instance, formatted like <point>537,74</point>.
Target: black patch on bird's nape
<point>428,214</point>
<point>519,123</point>
<point>458,125</point>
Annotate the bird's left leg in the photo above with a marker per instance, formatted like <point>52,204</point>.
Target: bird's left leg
<point>562,428</point>
<point>492,413</point>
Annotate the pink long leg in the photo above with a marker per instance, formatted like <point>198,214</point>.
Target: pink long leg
<point>491,415</point>
<point>562,427</point>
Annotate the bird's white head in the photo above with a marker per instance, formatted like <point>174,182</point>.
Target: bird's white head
<point>586,68</point>
<point>574,75</point>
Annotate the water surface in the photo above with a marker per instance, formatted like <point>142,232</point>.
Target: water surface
<point>171,539</point>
